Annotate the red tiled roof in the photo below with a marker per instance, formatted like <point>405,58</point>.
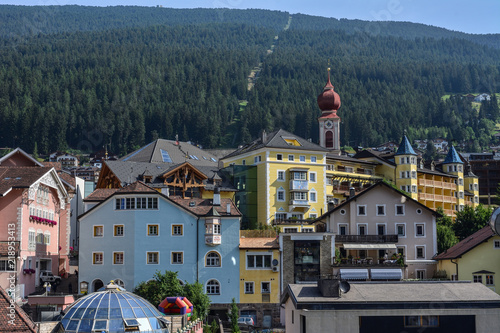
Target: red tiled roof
<point>202,206</point>
<point>21,322</point>
<point>19,177</point>
<point>467,244</point>
<point>137,187</point>
<point>101,194</point>
<point>259,243</point>
<point>67,178</point>
<point>55,165</point>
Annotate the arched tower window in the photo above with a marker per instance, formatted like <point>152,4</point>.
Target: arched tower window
<point>329,139</point>
<point>212,259</point>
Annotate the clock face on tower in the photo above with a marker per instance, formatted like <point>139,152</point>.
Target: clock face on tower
<point>328,124</point>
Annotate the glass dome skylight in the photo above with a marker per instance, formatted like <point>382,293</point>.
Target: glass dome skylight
<point>112,309</point>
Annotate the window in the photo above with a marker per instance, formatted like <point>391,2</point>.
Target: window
<point>259,261</point>
<point>299,175</point>
<point>299,195</point>
<point>97,258</point>
<point>177,230</point>
<point>421,321</point>
<point>281,175</point>
<point>420,252</point>
<point>400,209</point>
<point>342,229</point>
<point>257,159</point>
<point>361,210</point>
<point>129,203</point>
<point>489,280</point>
<point>419,230</point>
<point>313,159</point>
<point>118,258</point>
<point>380,229</point>
<point>419,211</point>
<point>279,157</point>
<point>281,195</point>
<point>290,230</point>
<point>118,230</point>
<point>152,258</point>
<point>177,258</point>
<point>153,229</point>
<point>420,274</point>
<point>280,216</point>
<point>304,229</point>
<point>266,287</point>
<point>312,177</point>
<point>414,174</point>
<point>302,158</point>
<point>401,250</point>
<point>291,158</point>
<point>477,278</point>
<point>313,216</point>
<point>213,287</point>
<point>46,238</point>
<point>380,210</point>
<point>31,240</point>
<point>216,229</point>
<point>142,203</point>
<point>249,287</point>
<point>496,244</point>
<point>98,231</point>
<point>400,230</point>
<point>362,229</point>
<point>312,196</point>
<point>212,259</point>
<point>152,203</point>
<point>6,266</point>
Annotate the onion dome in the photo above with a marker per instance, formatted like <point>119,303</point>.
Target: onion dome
<point>329,100</point>
<point>112,309</point>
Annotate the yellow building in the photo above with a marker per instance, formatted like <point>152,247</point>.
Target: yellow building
<point>476,258</point>
<point>260,280</point>
<point>290,176</point>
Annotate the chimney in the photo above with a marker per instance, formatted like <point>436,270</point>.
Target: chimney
<point>329,287</point>
<point>352,192</point>
<point>228,209</point>
<point>164,191</point>
<point>264,136</point>
<point>216,201</point>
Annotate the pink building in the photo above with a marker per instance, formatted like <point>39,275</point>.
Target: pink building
<point>34,223</point>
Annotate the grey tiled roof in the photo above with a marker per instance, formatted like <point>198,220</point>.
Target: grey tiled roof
<point>276,140</point>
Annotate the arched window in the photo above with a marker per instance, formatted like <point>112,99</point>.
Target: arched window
<point>120,283</point>
<point>212,259</point>
<point>97,284</point>
<point>329,139</point>
<point>213,287</point>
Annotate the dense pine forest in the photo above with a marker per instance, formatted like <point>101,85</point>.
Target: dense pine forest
<point>81,77</point>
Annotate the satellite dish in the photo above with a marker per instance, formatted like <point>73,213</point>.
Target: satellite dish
<point>495,221</point>
<point>344,286</point>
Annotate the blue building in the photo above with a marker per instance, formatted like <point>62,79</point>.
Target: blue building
<point>128,234</point>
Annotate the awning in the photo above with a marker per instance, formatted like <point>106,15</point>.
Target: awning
<point>376,246</point>
<point>386,274</point>
<point>354,274</point>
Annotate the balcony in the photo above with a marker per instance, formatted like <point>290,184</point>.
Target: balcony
<point>299,185</point>
<point>366,238</point>
<point>292,204</point>
<point>367,262</point>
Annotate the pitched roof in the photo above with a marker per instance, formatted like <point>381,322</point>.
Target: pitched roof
<point>259,243</point>
<point>197,206</point>
<point>23,153</point>
<point>277,139</point>
<point>405,147</point>
<point>171,152</point>
<point>202,207</point>
<point>452,157</point>
<point>21,323</point>
<point>19,177</point>
<point>467,244</point>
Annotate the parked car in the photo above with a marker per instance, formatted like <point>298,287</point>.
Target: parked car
<point>47,276</point>
<point>248,321</point>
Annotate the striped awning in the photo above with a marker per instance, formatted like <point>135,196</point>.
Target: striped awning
<point>354,274</point>
<point>376,246</point>
<point>386,274</point>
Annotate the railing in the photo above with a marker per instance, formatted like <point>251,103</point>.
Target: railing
<point>301,185</point>
<point>366,238</point>
<point>367,263</point>
<point>299,202</point>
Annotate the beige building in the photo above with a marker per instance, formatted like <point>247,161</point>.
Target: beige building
<point>383,229</point>
<point>391,307</point>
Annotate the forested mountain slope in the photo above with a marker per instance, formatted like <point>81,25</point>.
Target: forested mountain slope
<point>143,73</point>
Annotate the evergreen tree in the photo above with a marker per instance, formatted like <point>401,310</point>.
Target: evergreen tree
<point>233,316</point>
